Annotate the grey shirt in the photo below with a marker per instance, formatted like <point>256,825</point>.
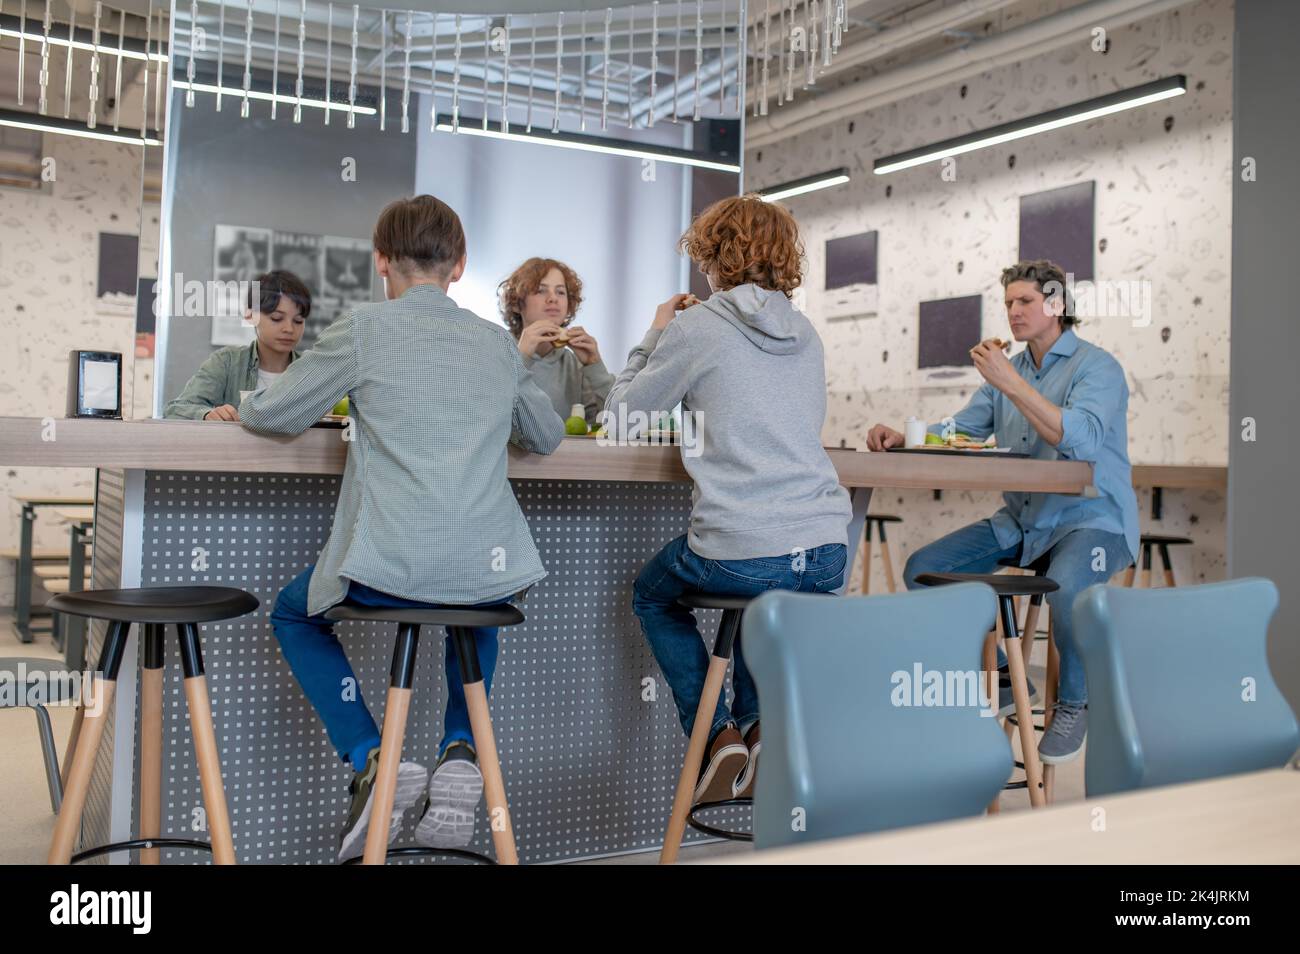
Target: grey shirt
<point>425,511</point>
<point>567,381</point>
<point>753,370</point>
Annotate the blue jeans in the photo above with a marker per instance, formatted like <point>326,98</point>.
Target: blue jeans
<point>975,549</point>
<point>675,639</point>
<point>322,669</point>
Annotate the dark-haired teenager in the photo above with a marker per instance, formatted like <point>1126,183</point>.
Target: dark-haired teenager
<point>280,317</point>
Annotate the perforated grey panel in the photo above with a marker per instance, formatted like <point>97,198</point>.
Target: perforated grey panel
<point>589,763</point>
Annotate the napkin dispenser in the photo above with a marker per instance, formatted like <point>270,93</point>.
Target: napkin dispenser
<point>95,384</point>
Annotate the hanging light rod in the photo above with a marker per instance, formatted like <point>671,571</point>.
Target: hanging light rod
<point>822,180</point>
<point>71,127</point>
<point>612,147</point>
<point>238,92</point>
<point>132,48</point>
<point>1082,112</point>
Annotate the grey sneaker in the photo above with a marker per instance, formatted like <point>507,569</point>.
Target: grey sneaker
<point>410,782</point>
<point>1007,702</point>
<point>1063,740</point>
<point>454,792</point>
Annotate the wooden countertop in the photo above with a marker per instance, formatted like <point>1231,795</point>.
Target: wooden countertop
<point>1181,476</point>
<point>1242,819</point>
<point>228,448</point>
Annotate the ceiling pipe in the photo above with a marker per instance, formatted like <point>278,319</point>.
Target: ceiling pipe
<point>1013,45</point>
<point>893,39</point>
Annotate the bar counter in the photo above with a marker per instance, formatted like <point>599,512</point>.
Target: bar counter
<point>588,735</point>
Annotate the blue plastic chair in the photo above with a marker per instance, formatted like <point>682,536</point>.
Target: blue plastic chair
<point>841,755</point>
<point>1167,690</point>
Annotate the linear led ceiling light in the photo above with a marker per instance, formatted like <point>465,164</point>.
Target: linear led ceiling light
<point>612,147</point>
<point>822,180</point>
<point>70,127</point>
<point>1033,125</point>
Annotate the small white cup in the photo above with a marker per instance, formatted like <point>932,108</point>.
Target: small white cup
<point>914,432</point>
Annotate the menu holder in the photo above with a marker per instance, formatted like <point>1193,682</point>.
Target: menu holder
<point>95,384</point>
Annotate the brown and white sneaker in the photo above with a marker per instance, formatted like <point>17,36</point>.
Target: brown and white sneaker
<point>745,783</point>
<point>724,761</point>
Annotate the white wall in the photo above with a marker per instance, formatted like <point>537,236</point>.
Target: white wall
<point>1163,207</point>
<point>594,212</point>
<point>49,260</point>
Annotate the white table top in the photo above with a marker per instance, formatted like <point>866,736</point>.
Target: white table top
<point>1242,819</point>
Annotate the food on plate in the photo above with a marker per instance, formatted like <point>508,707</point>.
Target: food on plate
<point>966,442</point>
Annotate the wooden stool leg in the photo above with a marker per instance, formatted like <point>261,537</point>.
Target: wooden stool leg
<point>991,684</point>
<point>1049,700</point>
<point>396,709</point>
<point>78,718</point>
<point>205,745</point>
<point>1024,713</point>
<point>151,736</point>
<point>887,561</point>
<point>694,758</point>
<point>866,558</point>
<point>709,696</point>
<point>480,723</point>
<point>1130,575</point>
<point>494,788</point>
<point>1168,565</point>
<point>82,757</point>
<point>1144,576</point>
<point>1031,627</point>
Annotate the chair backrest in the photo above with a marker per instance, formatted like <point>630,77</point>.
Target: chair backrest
<point>872,715</point>
<point>1179,687</point>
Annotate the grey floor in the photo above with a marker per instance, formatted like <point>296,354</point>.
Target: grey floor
<point>27,822</point>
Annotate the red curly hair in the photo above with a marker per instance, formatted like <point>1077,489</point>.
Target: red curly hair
<point>744,240</point>
<point>523,281</point>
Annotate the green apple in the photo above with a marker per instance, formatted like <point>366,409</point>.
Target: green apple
<point>341,409</point>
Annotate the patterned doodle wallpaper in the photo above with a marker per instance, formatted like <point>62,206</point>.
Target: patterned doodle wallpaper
<point>49,248</point>
<point>1163,215</point>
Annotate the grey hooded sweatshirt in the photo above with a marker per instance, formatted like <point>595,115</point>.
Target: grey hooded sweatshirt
<point>750,369</point>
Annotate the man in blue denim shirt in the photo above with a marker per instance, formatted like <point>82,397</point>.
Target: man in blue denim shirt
<point>1060,398</point>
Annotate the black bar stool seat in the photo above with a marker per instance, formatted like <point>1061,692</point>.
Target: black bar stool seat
<point>714,601</point>
<point>1003,585</point>
<point>460,621</point>
<point>161,604</point>
<point>1158,539</point>
<point>152,608</point>
<point>504,615</point>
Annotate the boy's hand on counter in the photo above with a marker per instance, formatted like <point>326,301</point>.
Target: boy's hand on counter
<point>226,412</point>
<point>583,345</point>
<point>669,309</point>
<point>536,334</point>
<point>882,437</point>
